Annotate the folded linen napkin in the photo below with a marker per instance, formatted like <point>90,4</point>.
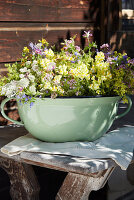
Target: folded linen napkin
<point>117,145</point>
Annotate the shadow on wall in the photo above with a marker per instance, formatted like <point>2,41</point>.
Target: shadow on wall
<point>123,42</point>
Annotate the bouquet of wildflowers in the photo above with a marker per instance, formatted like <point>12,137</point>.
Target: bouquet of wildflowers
<point>72,71</point>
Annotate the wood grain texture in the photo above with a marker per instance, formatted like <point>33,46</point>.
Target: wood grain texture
<point>13,37</point>
<point>50,11</point>
<point>24,184</point>
<point>79,187</point>
<point>67,163</point>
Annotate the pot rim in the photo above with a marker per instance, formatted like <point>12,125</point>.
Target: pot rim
<point>79,97</point>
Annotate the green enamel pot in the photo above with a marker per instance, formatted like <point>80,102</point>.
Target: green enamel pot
<point>68,119</point>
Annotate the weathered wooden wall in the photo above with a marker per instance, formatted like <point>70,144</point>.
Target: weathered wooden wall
<point>25,21</point>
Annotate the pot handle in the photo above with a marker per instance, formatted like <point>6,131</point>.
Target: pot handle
<point>5,116</point>
<point>127,110</point>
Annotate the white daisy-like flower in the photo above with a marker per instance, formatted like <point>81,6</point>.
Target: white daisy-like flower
<point>21,76</point>
<point>23,70</point>
<point>23,82</point>
<point>28,62</point>
<point>31,77</point>
<point>34,68</point>
<point>9,89</point>
<point>32,89</point>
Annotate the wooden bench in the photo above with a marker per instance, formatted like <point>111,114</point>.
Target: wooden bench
<point>83,175</point>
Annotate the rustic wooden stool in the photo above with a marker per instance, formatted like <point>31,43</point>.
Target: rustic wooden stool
<point>83,176</point>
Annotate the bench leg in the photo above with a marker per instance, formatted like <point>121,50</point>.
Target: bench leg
<point>78,187</point>
<point>24,184</point>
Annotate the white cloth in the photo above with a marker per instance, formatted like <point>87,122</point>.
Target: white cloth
<point>117,145</point>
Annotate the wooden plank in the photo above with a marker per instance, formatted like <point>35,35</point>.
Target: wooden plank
<point>43,11</point>
<point>79,187</point>
<point>67,163</point>
<point>14,38</point>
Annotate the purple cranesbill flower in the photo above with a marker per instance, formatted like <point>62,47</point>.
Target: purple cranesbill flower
<point>125,57</point>
<point>124,61</point>
<point>77,48</point>
<point>35,49</point>
<point>76,53</point>
<point>38,51</point>
<point>110,60</point>
<point>65,47</point>
<point>21,89</point>
<point>72,61</point>
<point>18,97</point>
<point>116,58</point>
<point>97,50</point>
<point>131,61</point>
<point>122,66</point>
<point>71,83</point>
<point>26,99</point>
<point>31,104</point>
<point>77,93</point>
<point>24,96</point>
<point>69,41</point>
<point>87,34</point>
<point>32,45</point>
<point>105,46</point>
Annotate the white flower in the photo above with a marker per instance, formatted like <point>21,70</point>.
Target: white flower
<point>31,77</point>
<point>38,45</point>
<point>49,53</point>
<point>63,69</point>
<point>23,82</point>
<point>28,62</point>
<point>32,89</point>
<point>39,73</point>
<point>57,79</point>
<point>21,75</point>
<point>47,86</point>
<point>23,69</point>
<point>44,62</point>
<point>9,89</point>
<point>35,67</point>
<point>51,66</point>
<point>35,62</point>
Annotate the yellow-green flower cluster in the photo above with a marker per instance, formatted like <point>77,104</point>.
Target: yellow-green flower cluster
<point>80,71</point>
